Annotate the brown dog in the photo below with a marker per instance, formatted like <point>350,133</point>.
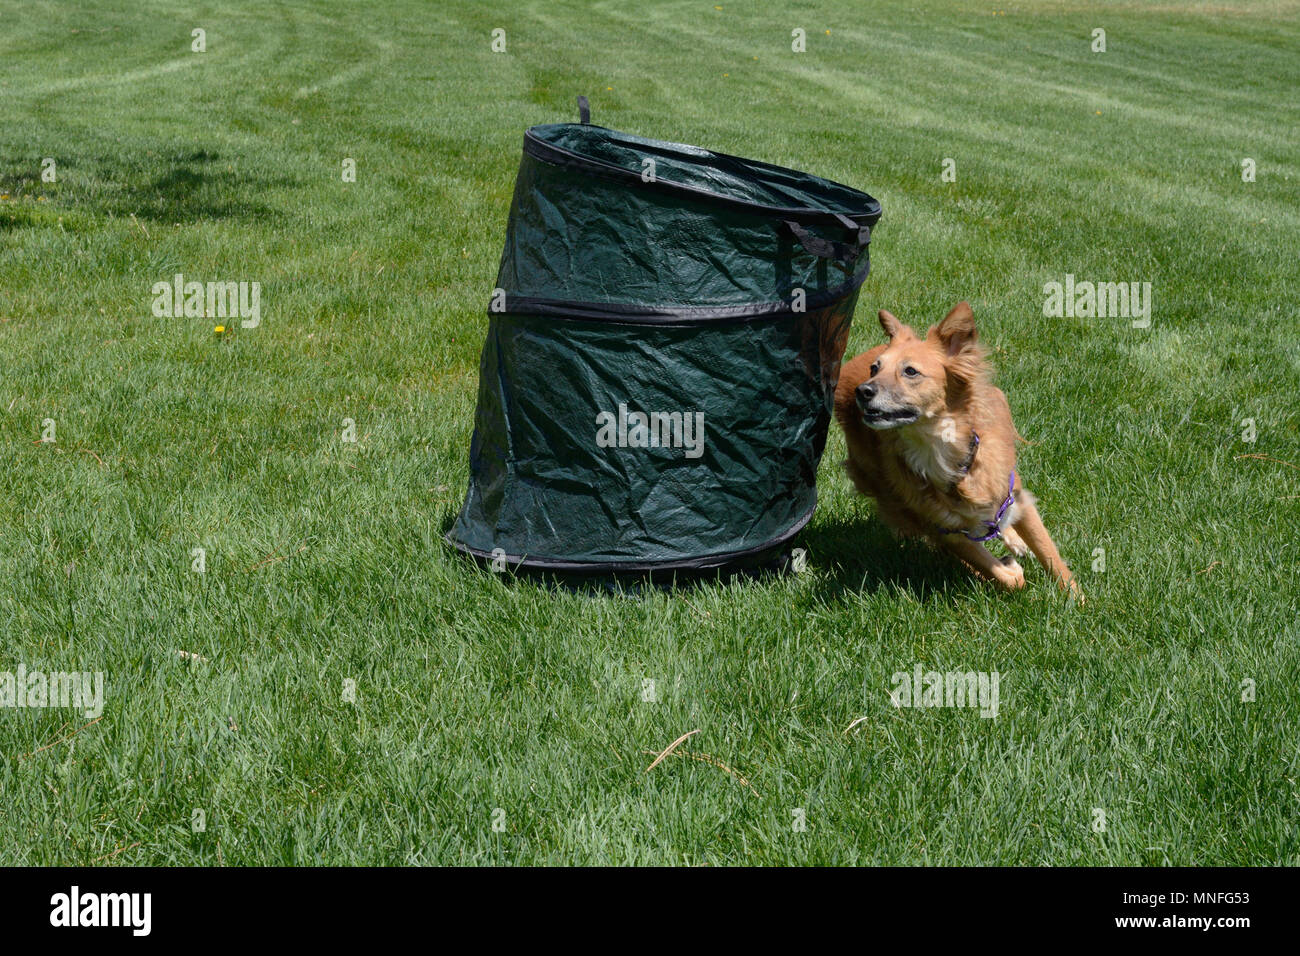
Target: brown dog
<point>931,439</point>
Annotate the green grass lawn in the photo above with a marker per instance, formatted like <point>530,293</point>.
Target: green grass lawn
<point>504,721</point>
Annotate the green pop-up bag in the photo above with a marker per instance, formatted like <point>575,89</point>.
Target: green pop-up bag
<point>661,356</point>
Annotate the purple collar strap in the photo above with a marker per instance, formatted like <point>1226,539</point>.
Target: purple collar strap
<point>994,526</point>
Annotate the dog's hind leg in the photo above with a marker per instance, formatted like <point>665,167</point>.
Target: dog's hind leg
<point>1031,529</point>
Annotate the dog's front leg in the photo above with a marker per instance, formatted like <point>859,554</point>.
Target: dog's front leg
<point>1014,543</point>
<point>982,561</point>
<point>1031,528</point>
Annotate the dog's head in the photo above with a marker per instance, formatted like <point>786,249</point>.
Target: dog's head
<point>915,378</point>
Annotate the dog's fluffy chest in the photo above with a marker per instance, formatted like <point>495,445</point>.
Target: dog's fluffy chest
<point>946,495</point>
<point>931,457</point>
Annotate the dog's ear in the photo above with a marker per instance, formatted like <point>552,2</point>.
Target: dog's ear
<point>956,332</point>
<point>890,324</point>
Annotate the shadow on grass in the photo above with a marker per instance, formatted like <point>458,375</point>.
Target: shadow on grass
<point>194,186</point>
<point>178,187</point>
<point>848,554</point>
<point>860,554</point>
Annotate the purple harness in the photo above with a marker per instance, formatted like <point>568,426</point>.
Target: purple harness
<point>994,526</point>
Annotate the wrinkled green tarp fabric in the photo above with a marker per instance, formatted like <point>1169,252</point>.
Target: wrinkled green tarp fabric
<point>669,298</point>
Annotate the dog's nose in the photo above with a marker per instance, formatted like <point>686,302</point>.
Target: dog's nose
<point>866,392</point>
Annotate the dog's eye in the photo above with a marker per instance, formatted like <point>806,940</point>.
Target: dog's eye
<point>874,369</point>
<point>911,372</point>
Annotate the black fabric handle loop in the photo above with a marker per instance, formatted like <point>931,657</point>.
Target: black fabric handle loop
<point>584,111</point>
<point>845,253</point>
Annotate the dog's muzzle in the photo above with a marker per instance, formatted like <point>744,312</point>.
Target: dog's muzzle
<point>865,395</point>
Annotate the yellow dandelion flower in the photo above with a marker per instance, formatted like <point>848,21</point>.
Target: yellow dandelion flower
<point>219,329</point>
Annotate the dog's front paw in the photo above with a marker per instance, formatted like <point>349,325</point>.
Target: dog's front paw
<point>1015,544</point>
<point>1008,573</point>
<point>1076,592</point>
